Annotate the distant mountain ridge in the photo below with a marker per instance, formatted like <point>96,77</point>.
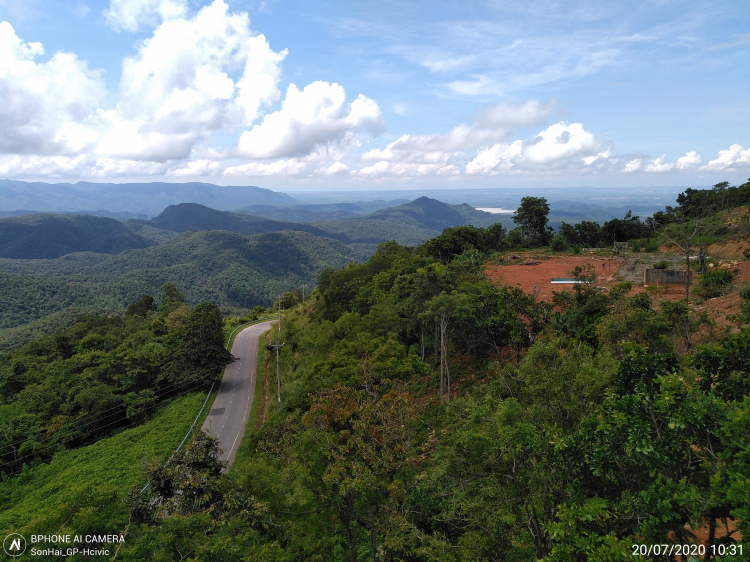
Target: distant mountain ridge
<point>146,198</point>
<point>319,212</point>
<point>49,236</point>
<point>409,224</point>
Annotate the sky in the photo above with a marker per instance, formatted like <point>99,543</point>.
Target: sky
<point>354,95</point>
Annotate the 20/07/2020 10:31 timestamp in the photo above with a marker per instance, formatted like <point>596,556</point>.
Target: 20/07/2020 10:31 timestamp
<point>691,549</point>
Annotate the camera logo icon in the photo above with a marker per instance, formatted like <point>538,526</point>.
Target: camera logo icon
<point>14,545</point>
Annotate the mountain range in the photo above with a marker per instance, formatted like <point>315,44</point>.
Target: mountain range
<point>138,198</point>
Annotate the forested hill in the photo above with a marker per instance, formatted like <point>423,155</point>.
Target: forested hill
<point>191,216</point>
<point>48,236</point>
<point>231,270</point>
<point>408,224</point>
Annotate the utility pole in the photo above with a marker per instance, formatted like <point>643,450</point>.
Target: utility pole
<point>278,373</point>
<point>277,347</point>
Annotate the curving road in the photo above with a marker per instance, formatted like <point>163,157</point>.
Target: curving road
<point>231,408</point>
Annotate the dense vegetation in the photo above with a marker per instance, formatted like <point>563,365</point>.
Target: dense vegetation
<point>428,414</point>
<point>236,272</point>
<point>47,236</point>
<point>75,386</point>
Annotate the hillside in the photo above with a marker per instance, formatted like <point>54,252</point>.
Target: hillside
<point>103,473</point>
<point>18,336</point>
<point>48,236</point>
<point>319,211</point>
<point>409,224</point>
<point>232,270</point>
<point>146,198</point>
<point>191,216</point>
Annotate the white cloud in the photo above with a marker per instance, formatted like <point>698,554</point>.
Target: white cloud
<point>45,108</point>
<point>633,165</point>
<point>177,88</point>
<point>512,115</point>
<point>399,109</point>
<point>332,170</point>
<point>82,165</point>
<point>288,167</point>
<point>658,165</point>
<point>734,155</point>
<point>132,15</point>
<point>488,125</point>
<point>688,161</point>
<point>197,168</point>
<point>559,146</point>
<point>309,120</point>
<point>603,156</point>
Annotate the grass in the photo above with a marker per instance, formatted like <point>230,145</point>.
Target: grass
<point>85,488</point>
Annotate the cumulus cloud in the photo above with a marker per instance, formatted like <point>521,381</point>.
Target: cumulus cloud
<point>488,125</point>
<point>45,108</point>
<point>197,168</point>
<point>690,160</point>
<point>384,168</point>
<point>283,167</point>
<point>334,169</point>
<point>633,166</point>
<point>658,165</point>
<point>733,156</point>
<point>315,118</point>
<point>553,148</point>
<point>132,15</point>
<point>177,89</point>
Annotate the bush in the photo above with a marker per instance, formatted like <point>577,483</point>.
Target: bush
<point>664,264</point>
<point>651,247</point>
<point>621,289</point>
<point>559,244</point>
<point>635,246</point>
<point>745,292</point>
<point>577,249</point>
<point>714,283</point>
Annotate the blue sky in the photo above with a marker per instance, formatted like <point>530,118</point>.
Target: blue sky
<point>376,95</point>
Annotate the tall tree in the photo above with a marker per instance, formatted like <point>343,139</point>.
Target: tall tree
<point>532,217</point>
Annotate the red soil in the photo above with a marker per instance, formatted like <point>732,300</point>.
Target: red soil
<point>538,277</point>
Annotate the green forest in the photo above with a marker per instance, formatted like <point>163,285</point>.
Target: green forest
<point>427,414</point>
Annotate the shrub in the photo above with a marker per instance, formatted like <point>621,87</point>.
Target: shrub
<point>559,243</point>
<point>714,283</point>
<point>576,249</point>
<point>621,289</point>
<point>651,247</point>
<point>664,264</point>
<point>745,292</point>
<point>635,246</point>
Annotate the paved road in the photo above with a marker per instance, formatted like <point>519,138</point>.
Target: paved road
<point>230,410</point>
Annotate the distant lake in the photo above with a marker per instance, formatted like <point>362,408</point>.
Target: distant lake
<point>495,210</point>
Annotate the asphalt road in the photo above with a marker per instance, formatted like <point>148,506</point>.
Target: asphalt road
<point>231,408</point>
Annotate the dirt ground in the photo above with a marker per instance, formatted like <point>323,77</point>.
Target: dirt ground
<point>537,278</point>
